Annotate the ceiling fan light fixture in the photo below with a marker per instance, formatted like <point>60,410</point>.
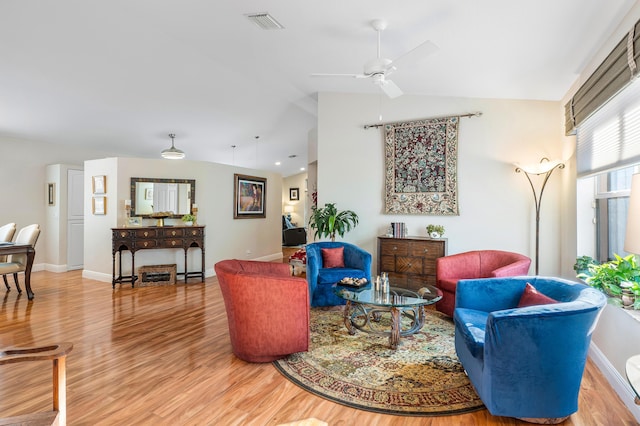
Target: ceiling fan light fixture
<point>172,153</point>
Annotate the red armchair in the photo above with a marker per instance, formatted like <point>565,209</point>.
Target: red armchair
<point>267,309</point>
<point>474,264</point>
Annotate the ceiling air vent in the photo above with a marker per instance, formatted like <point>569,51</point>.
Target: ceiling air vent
<point>264,21</point>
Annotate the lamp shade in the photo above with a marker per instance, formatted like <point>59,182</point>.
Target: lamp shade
<point>539,168</point>
<point>288,209</point>
<point>632,238</point>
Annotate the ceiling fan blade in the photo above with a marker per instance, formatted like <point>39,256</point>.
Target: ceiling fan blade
<point>340,75</point>
<point>421,51</point>
<point>390,89</point>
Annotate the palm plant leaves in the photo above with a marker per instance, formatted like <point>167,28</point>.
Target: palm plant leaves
<point>327,221</point>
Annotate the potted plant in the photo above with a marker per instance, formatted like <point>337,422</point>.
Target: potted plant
<point>327,221</point>
<point>188,219</point>
<point>582,264</point>
<point>435,231</point>
<point>619,279</point>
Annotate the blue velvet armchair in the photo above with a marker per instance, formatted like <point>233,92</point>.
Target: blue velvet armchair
<point>525,362</point>
<point>357,264</point>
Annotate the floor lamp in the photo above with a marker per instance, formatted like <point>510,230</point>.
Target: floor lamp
<point>632,236</point>
<point>544,168</point>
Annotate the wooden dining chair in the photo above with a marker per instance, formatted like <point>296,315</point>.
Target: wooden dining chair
<point>18,262</point>
<point>58,354</point>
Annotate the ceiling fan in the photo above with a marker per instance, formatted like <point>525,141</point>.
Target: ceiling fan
<point>379,68</point>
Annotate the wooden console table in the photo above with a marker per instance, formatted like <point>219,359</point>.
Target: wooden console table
<point>152,237</point>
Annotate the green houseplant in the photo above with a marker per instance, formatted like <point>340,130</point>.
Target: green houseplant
<point>435,231</point>
<point>619,279</point>
<point>188,219</point>
<point>327,221</point>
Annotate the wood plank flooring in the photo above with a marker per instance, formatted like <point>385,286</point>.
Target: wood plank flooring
<point>161,355</point>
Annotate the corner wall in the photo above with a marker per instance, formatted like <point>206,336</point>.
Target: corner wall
<point>225,237</point>
<point>496,204</point>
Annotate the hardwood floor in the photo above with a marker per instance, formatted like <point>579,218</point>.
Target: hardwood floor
<point>161,356</point>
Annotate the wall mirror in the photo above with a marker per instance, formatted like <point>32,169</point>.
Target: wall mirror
<point>150,195</point>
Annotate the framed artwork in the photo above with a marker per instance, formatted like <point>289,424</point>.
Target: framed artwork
<point>100,184</point>
<point>134,221</point>
<point>294,194</point>
<point>249,197</point>
<point>99,205</point>
<point>51,194</point>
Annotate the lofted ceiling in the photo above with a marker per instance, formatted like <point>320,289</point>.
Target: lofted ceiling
<point>123,74</point>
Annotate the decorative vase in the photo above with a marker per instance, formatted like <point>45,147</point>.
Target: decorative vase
<point>189,223</point>
<point>435,234</point>
<point>628,299</point>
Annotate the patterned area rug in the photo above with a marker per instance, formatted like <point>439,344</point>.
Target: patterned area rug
<point>423,377</point>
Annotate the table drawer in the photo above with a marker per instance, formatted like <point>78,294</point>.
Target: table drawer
<point>173,242</point>
<point>146,233</point>
<point>387,264</point>
<point>123,234</point>
<point>409,265</point>
<point>173,232</point>
<point>394,248</point>
<point>194,232</point>
<point>429,250</point>
<point>146,244</point>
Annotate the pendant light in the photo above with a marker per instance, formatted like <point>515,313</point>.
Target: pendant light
<point>172,153</point>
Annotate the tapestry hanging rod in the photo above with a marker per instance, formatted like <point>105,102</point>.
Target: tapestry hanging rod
<point>471,114</point>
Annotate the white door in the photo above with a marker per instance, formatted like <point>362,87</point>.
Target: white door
<point>75,219</point>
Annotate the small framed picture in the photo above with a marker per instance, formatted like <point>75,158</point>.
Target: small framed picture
<point>99,205</point>
<point>294,194</point>
<point>51,194</point>
<point>249,197</point>
<point>134,221</point>
<point>100,184</point>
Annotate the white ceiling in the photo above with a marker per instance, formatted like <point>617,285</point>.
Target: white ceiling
<point>123,74</point>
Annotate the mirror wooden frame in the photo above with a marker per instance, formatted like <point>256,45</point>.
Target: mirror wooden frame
<point>135,180</point>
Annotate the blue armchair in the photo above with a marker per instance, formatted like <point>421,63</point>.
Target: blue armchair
<point>357,264</point>
<point>525,362</point>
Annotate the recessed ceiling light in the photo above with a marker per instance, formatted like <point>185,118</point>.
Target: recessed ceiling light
<point>302,168</point>
<point>277,163</point>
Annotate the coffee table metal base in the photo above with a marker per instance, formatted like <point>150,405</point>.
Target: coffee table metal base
<point>358,316</point>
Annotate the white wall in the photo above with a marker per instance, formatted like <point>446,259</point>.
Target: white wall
<point>24,177</point>
<point>496,204</point>
<point>225,237</point>
<point>298,216</point>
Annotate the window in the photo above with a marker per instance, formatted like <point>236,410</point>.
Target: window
<point>612,204</point>
<point>608,154</point>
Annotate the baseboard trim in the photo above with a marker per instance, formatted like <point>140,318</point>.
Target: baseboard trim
<point>98,276</point>
<point>270,257</point>
<point>617,382</point>
<point>55,268</point>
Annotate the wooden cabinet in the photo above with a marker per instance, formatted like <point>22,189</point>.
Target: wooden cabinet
<point>141,238</point>
<point>410,261</point>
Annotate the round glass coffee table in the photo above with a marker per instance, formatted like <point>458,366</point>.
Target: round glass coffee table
<point>366,308</point>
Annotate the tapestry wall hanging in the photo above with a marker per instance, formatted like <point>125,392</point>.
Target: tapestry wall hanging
<point>421,159</point>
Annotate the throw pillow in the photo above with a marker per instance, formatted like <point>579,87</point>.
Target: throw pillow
<point>333,257</point>
<point>531,297</point>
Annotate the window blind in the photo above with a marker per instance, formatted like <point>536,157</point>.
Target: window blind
<point>610,137</point>
<point>613,74</point>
